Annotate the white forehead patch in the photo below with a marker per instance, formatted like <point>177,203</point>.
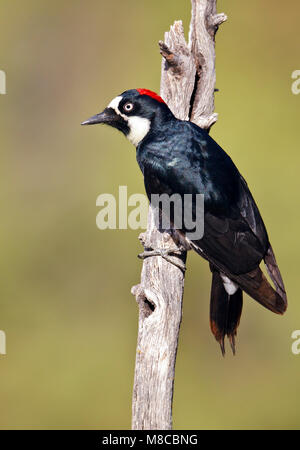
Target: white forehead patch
<point>114,104</point>
<point>139,126</point>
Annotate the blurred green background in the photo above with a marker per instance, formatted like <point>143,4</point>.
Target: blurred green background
<point>66,307</point>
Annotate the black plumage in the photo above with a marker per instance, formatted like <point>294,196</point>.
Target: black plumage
<point>235,239</point>
<point>178,157</point>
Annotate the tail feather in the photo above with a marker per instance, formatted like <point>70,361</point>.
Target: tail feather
<point>274,273</point>
<point>225,311</point>
<point>258,287</point>
<point>255,283</point>
<point>234,316</point>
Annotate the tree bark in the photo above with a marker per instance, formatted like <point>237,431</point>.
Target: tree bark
<point>187,86</point>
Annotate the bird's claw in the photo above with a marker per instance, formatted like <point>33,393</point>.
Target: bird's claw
<point>170,255</point>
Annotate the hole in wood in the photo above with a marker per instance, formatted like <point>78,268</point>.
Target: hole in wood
<point>192,101</point>
<point>149,307</point>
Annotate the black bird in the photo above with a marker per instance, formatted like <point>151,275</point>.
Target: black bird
<point>178,157</point>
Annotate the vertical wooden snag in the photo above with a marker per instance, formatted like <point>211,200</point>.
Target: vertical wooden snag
<point>187,86</point>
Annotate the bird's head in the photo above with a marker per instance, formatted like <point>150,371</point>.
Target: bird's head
<point>134,113</point>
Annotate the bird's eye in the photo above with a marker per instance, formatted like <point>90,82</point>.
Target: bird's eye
<point>128,107</point>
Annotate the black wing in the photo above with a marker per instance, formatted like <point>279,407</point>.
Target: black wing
<point>235,238</point>
<point>239,240</point>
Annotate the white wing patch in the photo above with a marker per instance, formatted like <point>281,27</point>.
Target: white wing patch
<point>173,162</point>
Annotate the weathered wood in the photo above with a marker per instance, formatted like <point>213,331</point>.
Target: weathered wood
<point>187,86</point>
<point>204,25</point>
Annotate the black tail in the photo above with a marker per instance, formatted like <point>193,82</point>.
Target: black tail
<point>275,275</point>
<point>259,288</point>
<point>225,311</point>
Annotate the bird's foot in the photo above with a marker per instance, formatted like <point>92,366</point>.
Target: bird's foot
<point>171,255</point>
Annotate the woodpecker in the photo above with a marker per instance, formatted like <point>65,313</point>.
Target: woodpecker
<point>178,157</point>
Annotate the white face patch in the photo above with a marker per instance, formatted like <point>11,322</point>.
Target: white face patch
<point>229,286</point>
<point>139,126</point>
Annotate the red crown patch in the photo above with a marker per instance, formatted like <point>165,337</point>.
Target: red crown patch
<point>150,94</point>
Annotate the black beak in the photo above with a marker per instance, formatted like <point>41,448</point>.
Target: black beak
<point>108,116</point>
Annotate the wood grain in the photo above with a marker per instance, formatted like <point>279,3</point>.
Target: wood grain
<point>187,86</point>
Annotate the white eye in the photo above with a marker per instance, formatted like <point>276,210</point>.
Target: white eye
<point>128,107</point>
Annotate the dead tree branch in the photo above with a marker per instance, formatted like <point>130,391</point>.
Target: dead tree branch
<point>187,86</point>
